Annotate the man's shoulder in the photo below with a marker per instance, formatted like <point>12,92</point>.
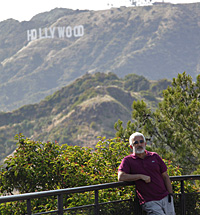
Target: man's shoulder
<point>129,157</point>
<point>151,153</point>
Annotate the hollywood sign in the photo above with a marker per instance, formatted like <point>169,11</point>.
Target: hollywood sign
<point>52,32</point>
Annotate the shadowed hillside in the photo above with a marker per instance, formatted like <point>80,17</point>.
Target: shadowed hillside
<point>80,112</point>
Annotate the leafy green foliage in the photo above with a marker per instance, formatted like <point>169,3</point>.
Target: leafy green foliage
<point>39,166</point>
<point>174,126</point>
<point>136,83</point>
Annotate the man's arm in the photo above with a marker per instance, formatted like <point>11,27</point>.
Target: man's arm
<point>167,182</point>
<point>122,176</point>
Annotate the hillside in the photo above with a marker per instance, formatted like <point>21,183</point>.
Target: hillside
<point>156,42</point>
<point>80,112</point>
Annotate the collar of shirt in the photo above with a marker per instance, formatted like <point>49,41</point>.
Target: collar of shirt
<point>147,155</point>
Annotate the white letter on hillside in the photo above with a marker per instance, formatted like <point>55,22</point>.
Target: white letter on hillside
<point>40,34</point>
<point>46,33</point>
<point>52,30</point>
<point>61,32</point>
<point>78,31</point>
<point>31,34</point>
<point>68,31</point>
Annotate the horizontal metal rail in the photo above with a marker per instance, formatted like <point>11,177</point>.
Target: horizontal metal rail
<point>59,193</point>
<point>185,177</point>
<point>83,189</point>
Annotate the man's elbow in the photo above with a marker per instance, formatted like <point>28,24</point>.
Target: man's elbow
<point>120,176</point>
<point>165,176</point>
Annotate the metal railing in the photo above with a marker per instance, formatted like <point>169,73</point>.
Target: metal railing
<point>181,200</point>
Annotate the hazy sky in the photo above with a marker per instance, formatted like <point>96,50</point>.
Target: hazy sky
<point>25,9</point>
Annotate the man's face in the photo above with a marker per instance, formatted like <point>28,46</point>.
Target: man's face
<point>139,146</point>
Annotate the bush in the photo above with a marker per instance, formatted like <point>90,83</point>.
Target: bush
<point>38,166</point>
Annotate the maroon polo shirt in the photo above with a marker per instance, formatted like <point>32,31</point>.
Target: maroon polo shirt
<point>153,166</point>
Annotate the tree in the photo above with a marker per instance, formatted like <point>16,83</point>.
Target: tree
<point>136,83</point>
<point>174,127</point>
<point>39,166</point>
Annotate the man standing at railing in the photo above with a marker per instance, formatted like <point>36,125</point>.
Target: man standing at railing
<point>149,172</point>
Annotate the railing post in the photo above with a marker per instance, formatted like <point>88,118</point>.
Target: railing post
<point>60,204</point>
<point>28,207</point>
<point>183,212</point>
<point>96,208</point>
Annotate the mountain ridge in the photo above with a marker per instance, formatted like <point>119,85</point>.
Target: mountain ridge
<point>156,42</point>
<point>80,112</point>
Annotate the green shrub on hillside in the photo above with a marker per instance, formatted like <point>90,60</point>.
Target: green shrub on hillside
<point>39,166</point>
<point>136,83</point>
<point>174,125</point>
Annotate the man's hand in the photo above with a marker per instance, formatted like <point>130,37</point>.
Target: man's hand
<point>146,178</point>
